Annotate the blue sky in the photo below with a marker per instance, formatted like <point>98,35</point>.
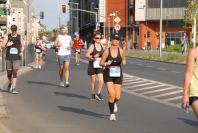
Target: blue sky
<point>51,10</point>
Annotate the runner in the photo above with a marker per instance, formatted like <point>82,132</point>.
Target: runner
<point>38,53</point>
<point>78,43</point>
<point>94,54</point>
<point>64,44</point>
<point>190,87</point>
<point>14,46</point>
<point>112,59</point>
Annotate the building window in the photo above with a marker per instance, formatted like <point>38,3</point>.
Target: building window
<point>167,3</point>
<point>173,38</point>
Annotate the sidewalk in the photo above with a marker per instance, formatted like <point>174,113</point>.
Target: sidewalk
<point>3,80</point>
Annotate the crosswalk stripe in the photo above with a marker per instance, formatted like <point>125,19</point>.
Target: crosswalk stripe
<point>158,90</point>
<point>141,85</point>
<point>166,94</point>
<point>147,88</point>
<point>173,98</point>
<point>133,79</point>
<point>138,81</point>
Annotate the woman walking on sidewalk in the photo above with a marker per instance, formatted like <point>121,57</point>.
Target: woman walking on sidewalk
<point>64,44</point>
<point>190,87</point>
<point>112,59</point>
<point>94,53</point>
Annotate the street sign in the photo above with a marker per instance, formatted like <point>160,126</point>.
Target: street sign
<point>97,24</point>
<point>117,19</point>
<point>117,27</point>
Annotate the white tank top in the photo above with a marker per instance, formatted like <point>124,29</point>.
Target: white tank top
<point>65,47</point>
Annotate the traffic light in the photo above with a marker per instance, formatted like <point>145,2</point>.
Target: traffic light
<point>3,1</point>
<point>42,15</point>
<point>64,8</point>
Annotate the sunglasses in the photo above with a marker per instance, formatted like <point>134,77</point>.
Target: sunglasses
<point>97,37</point>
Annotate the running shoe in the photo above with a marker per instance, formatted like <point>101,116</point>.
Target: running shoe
<point>115,108</point>
<point>67,84</point>
<point>112,117</point>
<point>62,84</point>
<point>39,67</point>
<point>93,97</point>
<point>99,97</point>
<point>13,91</point>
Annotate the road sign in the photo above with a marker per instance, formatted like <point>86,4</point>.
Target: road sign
<point>117,27</point>
<point>117,19</point>
<point>97,24</point>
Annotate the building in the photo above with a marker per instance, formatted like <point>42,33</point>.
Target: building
<point>147,16</point>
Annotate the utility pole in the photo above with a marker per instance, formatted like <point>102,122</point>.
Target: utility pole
<point>160,44</point>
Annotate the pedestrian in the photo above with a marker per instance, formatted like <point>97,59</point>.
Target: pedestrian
<point>38,48</point>
<point>190,86</point>
<point>184,44</point>
<point>112,59</point>
<point>94,54</point>
<point>13,43</point>
<point>64,44</point>
<point>78,43</point>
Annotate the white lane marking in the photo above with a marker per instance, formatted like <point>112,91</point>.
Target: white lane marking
<point>175,72</point>
<point>151,87</point>
<point>158,90</point>
<point>174,98</point>
<point>130,83</point>
<point>149,66</point>
<point>142,85</point>
<point>167,94</point>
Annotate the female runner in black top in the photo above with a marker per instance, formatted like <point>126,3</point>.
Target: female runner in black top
<point>112,60</point>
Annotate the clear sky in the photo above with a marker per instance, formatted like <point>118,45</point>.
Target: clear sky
<point>51,9</point>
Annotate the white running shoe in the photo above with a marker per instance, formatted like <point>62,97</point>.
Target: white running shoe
<point>62,84</point>
<point>112,117</point>
<point>115,108</point>
<point>66,84</point>
<point>39,67</point>
<point>36,66</point>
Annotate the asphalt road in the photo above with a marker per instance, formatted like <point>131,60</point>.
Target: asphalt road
<point>44,107</point>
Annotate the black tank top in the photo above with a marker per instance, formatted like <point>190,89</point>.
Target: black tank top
<point>116,61</point>
<point>95,51</point>
<point>12,52</point>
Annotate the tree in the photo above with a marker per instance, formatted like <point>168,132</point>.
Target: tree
<point>190,12</point>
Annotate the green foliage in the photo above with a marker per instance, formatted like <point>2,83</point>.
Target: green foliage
<point>173,48</point>
<point>190,12</point>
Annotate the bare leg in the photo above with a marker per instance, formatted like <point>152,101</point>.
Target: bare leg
<point>100,83</point>
<point>66,65</point>
<point>93,81</point>
<point>195,108</point>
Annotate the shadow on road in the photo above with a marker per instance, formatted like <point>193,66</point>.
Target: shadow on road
<point>71,95</point>
<point>82,111</point>
<point>42,83</point>
<point>189,122</point>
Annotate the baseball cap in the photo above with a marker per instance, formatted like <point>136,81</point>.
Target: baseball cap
<point>116,36</point>
<point>13,28</point>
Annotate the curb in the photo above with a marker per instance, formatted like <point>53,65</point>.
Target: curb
<point>3,80</point>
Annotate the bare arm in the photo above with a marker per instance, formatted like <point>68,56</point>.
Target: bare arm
<point>123,57</point>
<point>188,75</point>
<point>5,41</point>
<point>89,51</point>
<point>103,59</point>
<point>56,42</point>
<point>22,45</point>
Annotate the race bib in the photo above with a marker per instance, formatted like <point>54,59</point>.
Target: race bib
<point>96,63</point>
<point>14,51</point>
<point>77,50</point>
<point>114,71</point>
<point>38,50</point>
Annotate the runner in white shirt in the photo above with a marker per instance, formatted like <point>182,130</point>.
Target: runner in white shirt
<point>64,44</point>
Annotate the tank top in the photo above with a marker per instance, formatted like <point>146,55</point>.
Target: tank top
<point>95,51</point>
<point>194,82</point>
<point>65,47</point>
<point>12,52</point>
<point>38,49</point>
<point>116,62</point>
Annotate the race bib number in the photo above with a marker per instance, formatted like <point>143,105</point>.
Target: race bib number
<point>114,71</point>
<point>14,51</point>
<point>96,63</point>
<point>38,50</point>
